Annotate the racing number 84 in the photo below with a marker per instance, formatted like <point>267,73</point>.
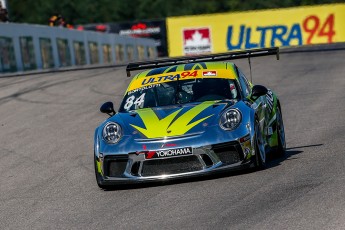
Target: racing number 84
<point>139,102</point>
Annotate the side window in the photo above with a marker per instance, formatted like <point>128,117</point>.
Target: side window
<point>244,84</point>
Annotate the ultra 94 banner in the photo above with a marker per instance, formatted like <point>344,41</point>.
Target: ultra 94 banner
<point>256,29</point>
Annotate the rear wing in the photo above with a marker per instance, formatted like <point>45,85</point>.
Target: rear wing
<point>202,58</point>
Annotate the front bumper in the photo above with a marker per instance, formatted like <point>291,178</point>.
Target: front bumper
<point>135,168</point>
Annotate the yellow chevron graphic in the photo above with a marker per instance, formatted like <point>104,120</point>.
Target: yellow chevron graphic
<point>155,127</point>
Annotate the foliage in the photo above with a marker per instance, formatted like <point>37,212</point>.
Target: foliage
<point>100,11</point>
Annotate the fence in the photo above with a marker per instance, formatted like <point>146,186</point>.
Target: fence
<point>29,47</point>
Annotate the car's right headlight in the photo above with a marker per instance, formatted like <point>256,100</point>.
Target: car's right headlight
<point>230,119</point>
<point>112,132</point>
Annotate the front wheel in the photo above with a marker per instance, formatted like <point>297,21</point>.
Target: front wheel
<point>260,153</point>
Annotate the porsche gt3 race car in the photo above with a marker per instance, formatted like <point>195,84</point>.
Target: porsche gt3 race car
<point>187,117</point>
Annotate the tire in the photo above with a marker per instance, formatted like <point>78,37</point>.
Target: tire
<point>99,177</point>
<point>280,134</point>
<point>260,153</point>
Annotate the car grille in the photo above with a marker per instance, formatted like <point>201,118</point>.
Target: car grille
<point>174,165</point>
<point>114,166</point>
<point>228,153</point>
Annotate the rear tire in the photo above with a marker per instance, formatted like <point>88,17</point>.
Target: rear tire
<point>280,134</point>
<point>260,153</point>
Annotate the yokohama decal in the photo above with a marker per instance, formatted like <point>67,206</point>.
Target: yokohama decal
<point>169,153</point>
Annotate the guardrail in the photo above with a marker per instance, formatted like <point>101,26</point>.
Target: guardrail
<point>30,47</point>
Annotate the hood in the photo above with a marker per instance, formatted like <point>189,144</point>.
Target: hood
<point>169,121</point>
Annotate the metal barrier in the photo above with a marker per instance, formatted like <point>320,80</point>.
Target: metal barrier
<point>29,47</point>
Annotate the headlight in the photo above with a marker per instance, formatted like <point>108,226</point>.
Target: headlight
<point>230,119</point>
<point>112,132</point>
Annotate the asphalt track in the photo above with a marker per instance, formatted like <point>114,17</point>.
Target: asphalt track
<point>46,158</point>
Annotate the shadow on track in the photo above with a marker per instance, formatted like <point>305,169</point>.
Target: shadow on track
<point>289,155</point>
<point>273,161</point>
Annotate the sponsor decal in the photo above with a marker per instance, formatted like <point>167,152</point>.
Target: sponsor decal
<point>169,145</point>
<point>209,73</point>
<point>269,100</point>
<point>140,30</point>
<point>169,153</point>
<point>290,27</point>
<point>197,41</point>
<point>142,88</point>
<point>186,74</point>
<point>153,29</point>
<point>269,131</point>
<point>246,151</point>
<point>285,35</point>
<point>246,146</point>
<point>245,138</point>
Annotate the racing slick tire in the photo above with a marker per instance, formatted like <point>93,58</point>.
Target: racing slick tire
<point>280,134</point>
<point>260,153</point>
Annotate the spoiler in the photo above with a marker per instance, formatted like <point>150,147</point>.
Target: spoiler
<point>202,58</point>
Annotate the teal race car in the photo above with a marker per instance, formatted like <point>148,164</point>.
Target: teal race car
<point>185,117</point>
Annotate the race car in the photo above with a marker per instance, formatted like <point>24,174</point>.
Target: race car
<point>186,117</point>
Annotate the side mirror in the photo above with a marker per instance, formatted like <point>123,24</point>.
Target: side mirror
<point>108,108</point>
<point>258,91</point>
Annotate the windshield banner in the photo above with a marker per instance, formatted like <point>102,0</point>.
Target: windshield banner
<point>150,81</point>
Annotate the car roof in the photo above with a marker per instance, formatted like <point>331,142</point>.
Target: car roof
<point>183,71</point>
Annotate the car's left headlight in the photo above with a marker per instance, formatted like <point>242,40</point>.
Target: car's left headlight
<point>230,119</point>
<point>112,132</point>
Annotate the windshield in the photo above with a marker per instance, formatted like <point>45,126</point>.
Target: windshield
<point>180,92</point>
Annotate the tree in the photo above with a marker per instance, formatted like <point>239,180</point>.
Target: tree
<point>102,11</point>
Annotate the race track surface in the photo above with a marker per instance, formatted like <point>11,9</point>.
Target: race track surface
<point>47,178</point>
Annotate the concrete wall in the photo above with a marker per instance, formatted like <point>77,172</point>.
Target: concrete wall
<point>29,47</point>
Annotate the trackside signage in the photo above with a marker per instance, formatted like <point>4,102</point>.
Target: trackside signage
<point>256,29</point>
<point>196,40</point>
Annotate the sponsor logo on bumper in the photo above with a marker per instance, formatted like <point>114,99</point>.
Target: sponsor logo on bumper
<point>169,153</point>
